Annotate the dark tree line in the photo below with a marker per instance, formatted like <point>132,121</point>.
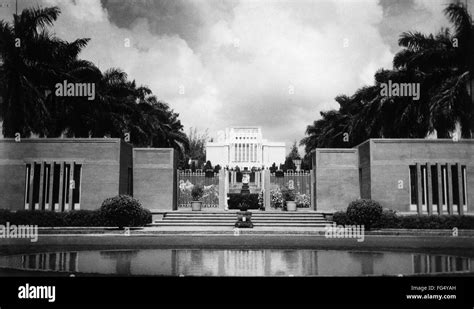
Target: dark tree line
<point>443,65</point>
<point>33,60</point>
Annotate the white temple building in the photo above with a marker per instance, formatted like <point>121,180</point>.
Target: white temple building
<point>244,147</point>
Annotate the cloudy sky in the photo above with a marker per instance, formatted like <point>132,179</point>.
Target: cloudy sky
<point>271,63</point>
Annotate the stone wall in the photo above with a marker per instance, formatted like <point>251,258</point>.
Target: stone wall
<point>337,178</point>
<point>154,178</point>
<point>100,160</point>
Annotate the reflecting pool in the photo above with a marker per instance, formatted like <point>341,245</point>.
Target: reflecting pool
<point>190,262</point>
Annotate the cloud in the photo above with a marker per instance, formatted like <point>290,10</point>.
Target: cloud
<point>276,64</point>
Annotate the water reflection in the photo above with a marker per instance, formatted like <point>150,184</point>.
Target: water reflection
<point>176,262</point>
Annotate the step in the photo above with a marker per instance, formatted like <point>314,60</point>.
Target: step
<point>164,223</point>
<point>233,220</point>
<point>254,214</point>
<point>234,215</point>
<point>255,221</point>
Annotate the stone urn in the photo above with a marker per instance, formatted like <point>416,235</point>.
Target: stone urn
<point>196,205</point>
<point>291,206</point>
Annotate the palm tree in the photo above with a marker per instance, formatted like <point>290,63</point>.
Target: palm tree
<point>442,64</point>
<point>445,60</point>
<point>32,60</point>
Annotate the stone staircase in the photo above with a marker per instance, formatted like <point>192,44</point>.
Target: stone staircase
<point>307,219</point>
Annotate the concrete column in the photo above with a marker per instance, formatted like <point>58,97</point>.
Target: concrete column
<point>266,186</point>
<point>222,189</point>
<point>440,188</point>
<point>41,187</point>
<point>429,188</point>
<point>449,182</point>
<point>61,185</point>
<point>460,189</point>
<point>419,200</point>
<point>51,182</point>
<point>70,188</point>
<point>31,180</point>
<point>313,188</point>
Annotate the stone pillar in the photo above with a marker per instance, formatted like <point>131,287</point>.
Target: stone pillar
<point>41,186</point>
<point>51,179</point>
<point>440,188</point>
<point>61,185</point>
<point>460,189</point>
<point>266,188</point>
<point>419,199</point>
<point>313,186</point>
<point>429,188</point>
<point>222,189</point>
<point>449,182</point>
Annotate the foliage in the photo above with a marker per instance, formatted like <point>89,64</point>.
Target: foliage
<point>29,105</point>
<point>442,71</point>
<point>273,168</point>
<point>260,201</point>
<point>124,210</point>
<point>276,198</point>
<point>236,200</point>
<point>364,212</point>
<point>197,148</point>
<point>289,195</point>
<point>208,166</point>
<point>46,218</point>
<point>390,219</point>
<point>197,192</point>
<point>302,200</point>
<point>341,218</point>
<point>288,165</point>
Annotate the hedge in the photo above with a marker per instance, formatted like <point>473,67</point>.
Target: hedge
<point>236,199</point>
<point>390,219</point>
<point>86,218</point>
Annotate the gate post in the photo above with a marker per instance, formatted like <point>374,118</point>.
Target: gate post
<point>223,188</point>
<point>313,191</point>
<point>266,188</point>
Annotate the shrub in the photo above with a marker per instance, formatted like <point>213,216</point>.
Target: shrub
<point>197,192</point>
<point>364,212</point>
<point>37,217</point>
<point>388,219</point>
<point>340,218</point>
<point>236,200</point>
<point>5,216</point>
<point>289,195</point>
<point>302,201</point>
<point>84,218</point>
<point>260,201</point>
<point>123,210</point>
<point>276,198</point>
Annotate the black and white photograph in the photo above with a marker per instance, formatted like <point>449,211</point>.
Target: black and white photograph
<point>285,147</point>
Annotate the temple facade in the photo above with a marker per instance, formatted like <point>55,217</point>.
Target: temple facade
<point>244,147</point>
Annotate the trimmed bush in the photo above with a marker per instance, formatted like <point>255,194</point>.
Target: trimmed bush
<point>237,199</point>
<point>364,212</point>
<point>341,218</point>
<point>390,220</point>
<point>123,210</point>
<point>46,218</point>
<point>84,218</point>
